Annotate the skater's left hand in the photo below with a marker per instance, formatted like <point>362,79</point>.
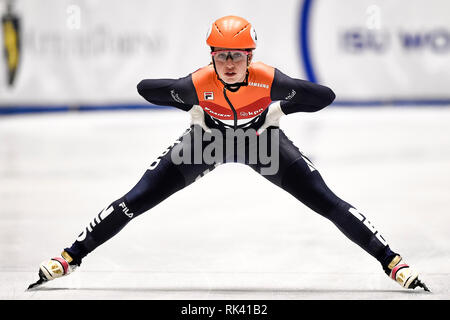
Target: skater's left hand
<point>272,117</point>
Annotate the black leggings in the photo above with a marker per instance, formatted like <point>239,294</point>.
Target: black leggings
<point>295,174</point>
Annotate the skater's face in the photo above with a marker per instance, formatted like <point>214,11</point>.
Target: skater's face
<point>231,64</point>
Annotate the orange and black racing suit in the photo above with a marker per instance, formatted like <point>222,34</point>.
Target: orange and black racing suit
<point>229,109</point>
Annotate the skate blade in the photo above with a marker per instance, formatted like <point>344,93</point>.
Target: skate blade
<point>418,283</point>
<point>41,280</point>
<point>36,284</point>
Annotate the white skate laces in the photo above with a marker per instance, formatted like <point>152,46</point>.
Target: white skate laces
<point>404,275</point>
<point>54,268</point>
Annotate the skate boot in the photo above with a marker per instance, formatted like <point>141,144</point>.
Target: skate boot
<point>55,268</point>
<point>404,275</point>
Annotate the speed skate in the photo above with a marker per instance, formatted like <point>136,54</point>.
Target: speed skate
<point>54,268</point>
<point>404,275</point>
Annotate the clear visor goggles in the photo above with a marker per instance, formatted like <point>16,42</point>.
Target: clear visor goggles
<point>234,55</point>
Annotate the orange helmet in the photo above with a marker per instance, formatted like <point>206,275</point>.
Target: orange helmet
<point>231,32</point>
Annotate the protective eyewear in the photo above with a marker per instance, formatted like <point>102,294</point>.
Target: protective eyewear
<point>235,55</point>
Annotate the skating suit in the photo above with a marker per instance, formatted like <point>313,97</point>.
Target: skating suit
<point>229,110</point>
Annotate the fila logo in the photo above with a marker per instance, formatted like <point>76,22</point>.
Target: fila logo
<point>208,95</point>
<point>126,210</point>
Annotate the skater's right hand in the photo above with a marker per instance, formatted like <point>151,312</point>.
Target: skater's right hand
<point>198,117</point>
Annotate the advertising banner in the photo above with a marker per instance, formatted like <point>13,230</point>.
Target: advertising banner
<point>72,53</point>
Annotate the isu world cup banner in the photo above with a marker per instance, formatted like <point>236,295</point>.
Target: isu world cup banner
<point>378,50</point>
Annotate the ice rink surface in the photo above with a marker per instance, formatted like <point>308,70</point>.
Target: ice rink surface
<point>232,234</point>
